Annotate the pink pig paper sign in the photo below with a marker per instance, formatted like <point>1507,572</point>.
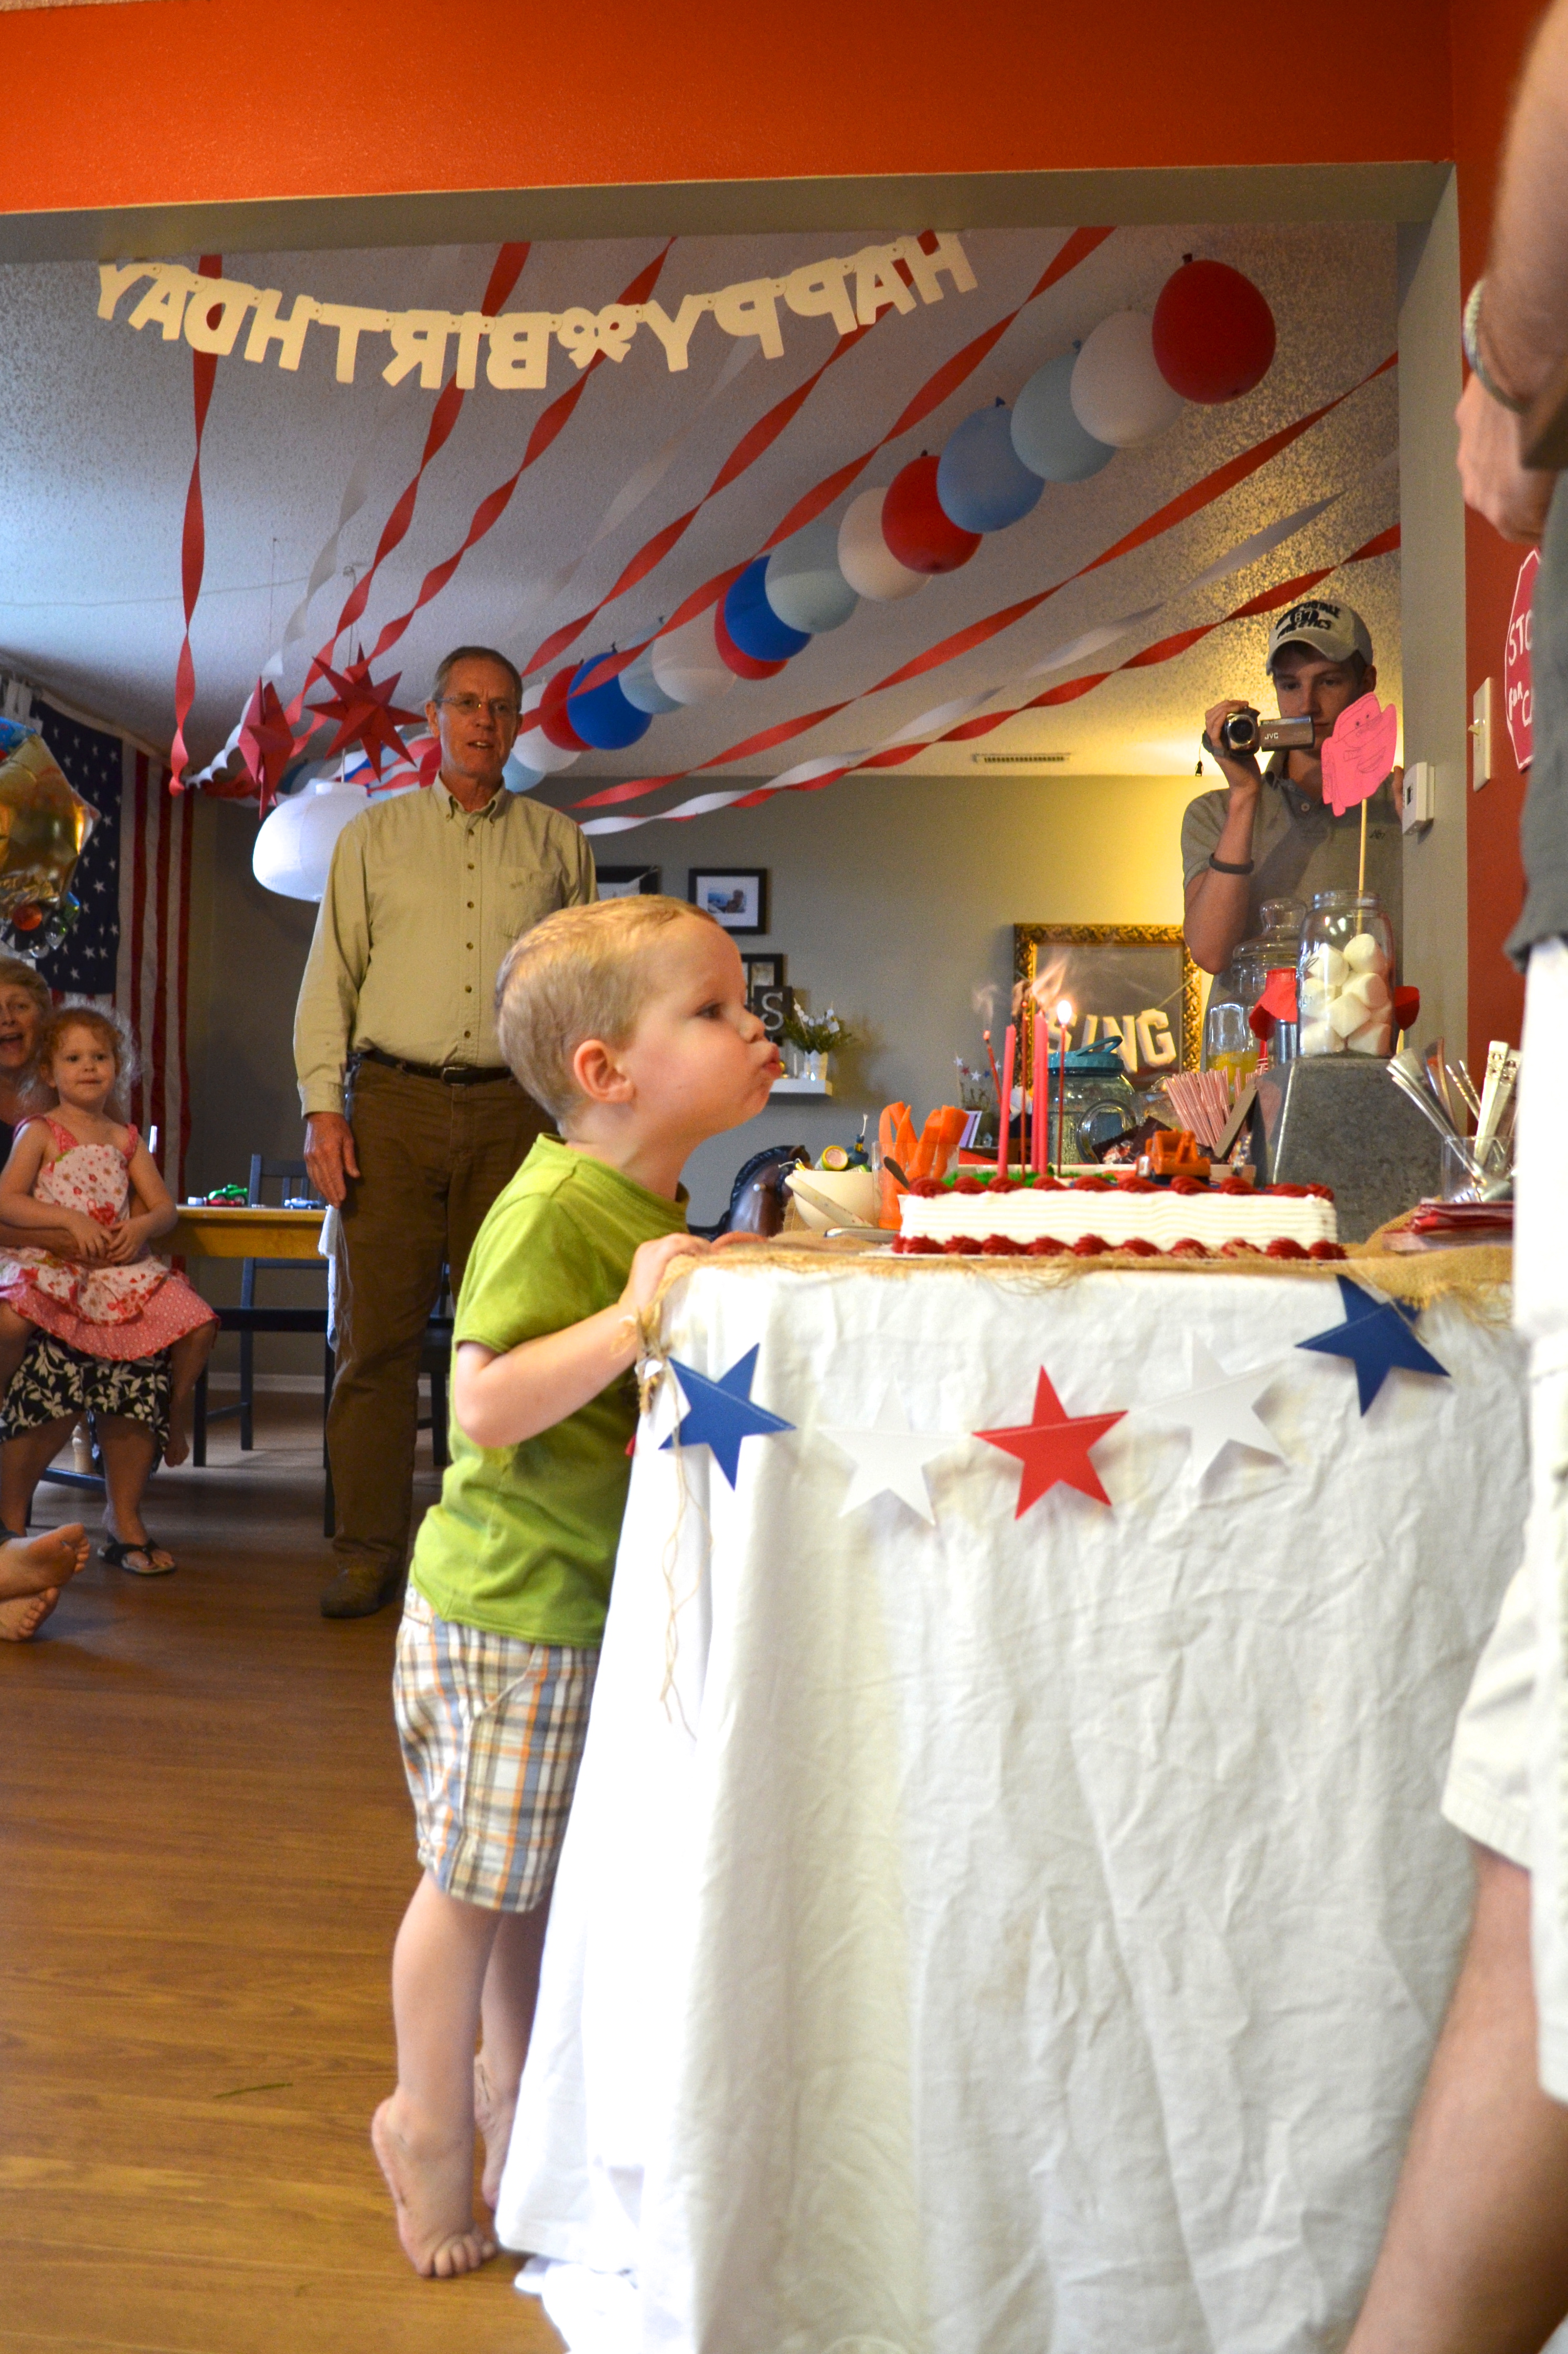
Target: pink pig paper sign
<point>1359,753</point>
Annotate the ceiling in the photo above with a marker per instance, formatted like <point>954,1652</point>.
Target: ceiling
<point>96,440</point>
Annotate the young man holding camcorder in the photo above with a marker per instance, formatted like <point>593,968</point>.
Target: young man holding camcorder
<point>1269,835</point>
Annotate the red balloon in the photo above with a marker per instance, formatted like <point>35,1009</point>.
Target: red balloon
<point>743,665</point>
<point>919,534</point>
<point>551,713</point>
<point>1213,333</point>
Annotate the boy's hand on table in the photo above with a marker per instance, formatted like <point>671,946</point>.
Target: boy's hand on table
<point>650,1264</point>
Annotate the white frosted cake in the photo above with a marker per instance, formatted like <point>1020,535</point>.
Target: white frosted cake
<point>1036,1216</point>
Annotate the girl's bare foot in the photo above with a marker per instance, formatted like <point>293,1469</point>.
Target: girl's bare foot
<point>30,1566</point>
<point>432,2191</point>
<point>21,1617</point>
<point>493,2118</point>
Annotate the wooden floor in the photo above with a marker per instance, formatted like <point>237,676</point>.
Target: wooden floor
<point>205,1849</point>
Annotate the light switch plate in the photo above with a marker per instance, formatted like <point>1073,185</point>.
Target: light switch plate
<point>1481,734</point>
<point>1418,795</point>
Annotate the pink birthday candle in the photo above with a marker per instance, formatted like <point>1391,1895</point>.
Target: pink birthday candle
<point>1004,1123</point>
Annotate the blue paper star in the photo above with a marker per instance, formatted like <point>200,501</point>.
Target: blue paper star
<point>1376,1336</point>
<point>721,1413</point>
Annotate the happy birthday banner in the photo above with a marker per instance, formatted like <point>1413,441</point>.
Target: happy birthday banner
<point>852,290</point>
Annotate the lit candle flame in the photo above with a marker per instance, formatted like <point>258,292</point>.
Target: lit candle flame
<point>1065,1013</point>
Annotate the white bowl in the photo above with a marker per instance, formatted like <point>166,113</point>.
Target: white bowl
<point>852,1190</point>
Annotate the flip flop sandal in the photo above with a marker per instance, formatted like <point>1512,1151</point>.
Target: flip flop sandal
<point>118,1555</point>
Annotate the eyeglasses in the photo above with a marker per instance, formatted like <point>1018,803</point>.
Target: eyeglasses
<point>471,705</point>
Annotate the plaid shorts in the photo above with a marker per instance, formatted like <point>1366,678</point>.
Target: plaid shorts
<point>491,1730</point>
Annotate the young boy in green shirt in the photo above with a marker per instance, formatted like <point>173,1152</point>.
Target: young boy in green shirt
<point>626,1021</point>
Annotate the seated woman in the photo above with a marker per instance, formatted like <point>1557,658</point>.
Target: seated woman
<point>24,1006</point>
<point>122,1337</point>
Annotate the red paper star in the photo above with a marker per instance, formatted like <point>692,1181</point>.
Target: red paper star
<point>1053,1448</point>
<point>365,713</point>
<point>266,742</point>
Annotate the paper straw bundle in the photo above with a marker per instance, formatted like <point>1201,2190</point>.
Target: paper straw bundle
<point>1201,1101</point>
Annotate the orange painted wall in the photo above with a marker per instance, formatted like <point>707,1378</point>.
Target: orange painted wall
<point>173,100</point>
<point>1489,38</point>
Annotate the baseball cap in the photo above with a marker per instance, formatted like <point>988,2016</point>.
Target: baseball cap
<point>1336,632</point>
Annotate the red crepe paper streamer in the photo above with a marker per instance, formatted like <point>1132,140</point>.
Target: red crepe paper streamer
<point>193,546</point>
<point>1181,509</point>
<point>503,277</point>
<point>816,501</point>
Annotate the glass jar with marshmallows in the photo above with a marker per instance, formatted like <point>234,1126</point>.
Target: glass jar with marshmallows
<point>1345,976</point>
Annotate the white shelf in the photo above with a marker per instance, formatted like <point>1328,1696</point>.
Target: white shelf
<point>801,1087</point>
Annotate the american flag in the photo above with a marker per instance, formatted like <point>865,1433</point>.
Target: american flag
<point>130,946</point>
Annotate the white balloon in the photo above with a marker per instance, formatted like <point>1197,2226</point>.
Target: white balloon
<point>295,842</point>
<point>688,664</point>
<point>535,751</point>
<point>1118,393</point>
<point>866,561</point>
<point>641,689</point>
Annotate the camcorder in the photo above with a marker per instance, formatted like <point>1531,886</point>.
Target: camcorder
<point>1245,732</point>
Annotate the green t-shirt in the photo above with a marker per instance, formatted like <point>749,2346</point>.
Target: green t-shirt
<point>522,1541</point>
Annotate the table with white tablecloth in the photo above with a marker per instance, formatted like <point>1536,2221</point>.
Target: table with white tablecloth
<point>1014,1933</point>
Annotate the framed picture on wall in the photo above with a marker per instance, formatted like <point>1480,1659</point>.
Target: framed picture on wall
<point>763,972</point>
<point>736,896</point>
<point>1134,984</point>
<point>627,882</point>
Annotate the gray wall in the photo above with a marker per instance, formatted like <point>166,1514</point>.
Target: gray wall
<point>893,900</point>
<point>1431,616</point>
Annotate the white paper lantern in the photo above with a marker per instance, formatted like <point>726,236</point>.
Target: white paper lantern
<point>518,777</point>
<point>866,561</point>
<point>688,665</point>
<point>1118,393</point>
<point>295,842</point>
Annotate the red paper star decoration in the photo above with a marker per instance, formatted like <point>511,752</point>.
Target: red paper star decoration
<point>266,742</point>
<point>365,712</point>
<point>1053,1447</point>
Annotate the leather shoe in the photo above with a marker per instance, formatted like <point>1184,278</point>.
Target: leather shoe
<point>359,1590</point>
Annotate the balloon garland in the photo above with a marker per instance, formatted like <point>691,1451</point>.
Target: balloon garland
<point>1211,339</point>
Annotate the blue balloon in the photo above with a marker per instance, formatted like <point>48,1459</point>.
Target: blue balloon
<point>601,714</point>
<point>805,587</point>
<point>752,622</point>
<point>981,482</point>
<point>1046,433</point>
<point>643,690</point>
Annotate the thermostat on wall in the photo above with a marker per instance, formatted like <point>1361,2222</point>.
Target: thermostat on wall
<point>1418,795</point>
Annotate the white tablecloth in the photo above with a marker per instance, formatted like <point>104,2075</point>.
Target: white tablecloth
<point>1014,1936</point>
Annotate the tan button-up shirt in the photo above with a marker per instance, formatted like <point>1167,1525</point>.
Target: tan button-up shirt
<point>422,902</point>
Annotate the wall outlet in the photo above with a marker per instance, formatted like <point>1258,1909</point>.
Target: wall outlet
<point>1418,797</point>
<point>1481,734</point>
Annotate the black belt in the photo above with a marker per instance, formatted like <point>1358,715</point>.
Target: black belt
<point>451,1075</point>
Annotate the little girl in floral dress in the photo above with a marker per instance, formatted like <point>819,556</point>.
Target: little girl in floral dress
<point>106,1315</point>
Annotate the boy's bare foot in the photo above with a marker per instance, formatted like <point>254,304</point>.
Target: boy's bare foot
<point>432,2191</point>
<point>493,2118</point>
<point>21,1617</point>
<point>30,1566</point>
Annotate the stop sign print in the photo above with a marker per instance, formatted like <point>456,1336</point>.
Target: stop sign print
<point>1516,662</point>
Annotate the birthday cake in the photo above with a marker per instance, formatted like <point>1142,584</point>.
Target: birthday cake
<point>1035,1216</point>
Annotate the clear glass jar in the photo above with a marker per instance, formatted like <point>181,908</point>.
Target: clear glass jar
<point>1345,976</point>
<point>1229,1044</point>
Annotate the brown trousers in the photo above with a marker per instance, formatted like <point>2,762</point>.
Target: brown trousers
<point>432,1159</point>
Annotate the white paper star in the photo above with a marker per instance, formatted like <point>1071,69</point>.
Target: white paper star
<point>890,1458</point>
<point>1217,1410</point>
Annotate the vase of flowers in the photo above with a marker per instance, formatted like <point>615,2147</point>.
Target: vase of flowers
<point>809,1047</point>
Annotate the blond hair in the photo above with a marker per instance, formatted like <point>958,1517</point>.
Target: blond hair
<point>112,1030</point>
<point>581,973</point>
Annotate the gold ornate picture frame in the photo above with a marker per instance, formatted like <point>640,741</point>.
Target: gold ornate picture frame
<point>1159,974</point>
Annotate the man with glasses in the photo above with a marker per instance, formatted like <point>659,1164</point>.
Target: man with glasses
<point>413,1123</point>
